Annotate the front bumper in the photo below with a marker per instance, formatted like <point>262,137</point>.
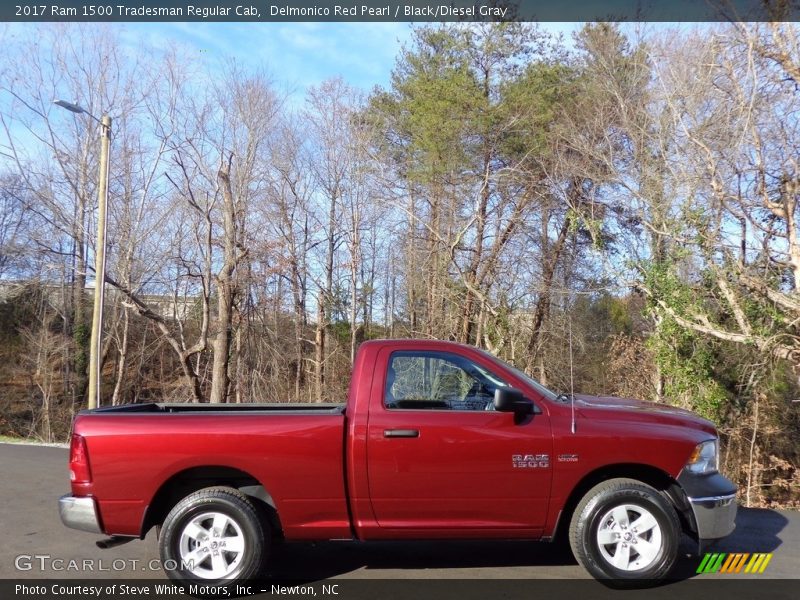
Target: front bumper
<point>715,516</point>
<point>712,499</point>
<point>79,513</point>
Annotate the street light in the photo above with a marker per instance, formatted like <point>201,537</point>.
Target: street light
<point>95,349</point>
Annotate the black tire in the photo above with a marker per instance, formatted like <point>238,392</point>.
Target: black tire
<point>592,513</point>
<point>246,524</point>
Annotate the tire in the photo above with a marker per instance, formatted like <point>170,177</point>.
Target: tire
<point>215,535</point>
<point>608,543</point>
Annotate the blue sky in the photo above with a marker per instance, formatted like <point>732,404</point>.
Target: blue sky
<point>297,55</point>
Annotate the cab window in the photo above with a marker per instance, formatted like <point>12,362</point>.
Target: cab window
<point>438,381</point>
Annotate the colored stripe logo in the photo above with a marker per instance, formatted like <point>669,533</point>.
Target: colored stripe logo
<point>737,562</point>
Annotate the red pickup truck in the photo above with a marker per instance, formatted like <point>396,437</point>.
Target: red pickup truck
<point>436,441</point>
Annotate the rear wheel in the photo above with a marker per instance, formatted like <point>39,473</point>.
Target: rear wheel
<point>625,530</point>
<point>215,535</point>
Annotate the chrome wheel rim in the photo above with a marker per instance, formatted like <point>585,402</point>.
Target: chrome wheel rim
<point>629,537</point>
<point>212,546</point>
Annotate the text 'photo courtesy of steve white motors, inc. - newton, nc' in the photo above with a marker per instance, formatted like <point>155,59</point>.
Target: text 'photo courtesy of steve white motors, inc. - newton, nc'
<point>171,590</point>
<point>258,11</point>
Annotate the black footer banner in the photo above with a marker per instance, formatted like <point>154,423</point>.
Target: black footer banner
<point>699,588</point>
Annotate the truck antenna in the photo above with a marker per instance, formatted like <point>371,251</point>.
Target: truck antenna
<point>571,379</point>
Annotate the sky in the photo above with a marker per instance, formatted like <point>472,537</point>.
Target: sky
<point>297,55</point>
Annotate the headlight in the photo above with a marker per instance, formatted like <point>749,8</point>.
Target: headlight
<point>704,458</point>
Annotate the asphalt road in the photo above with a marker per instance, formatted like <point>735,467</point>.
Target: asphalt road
<point>33,477</point>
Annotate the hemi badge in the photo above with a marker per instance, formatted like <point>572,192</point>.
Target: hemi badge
<point>567,458</point>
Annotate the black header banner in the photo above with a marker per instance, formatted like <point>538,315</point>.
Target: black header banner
<point>398,11</point>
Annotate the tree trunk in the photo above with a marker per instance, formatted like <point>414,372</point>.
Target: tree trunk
<point>80,327</point>
<point>432,270</point>
<point>319,353</point>
<point>238,372</point>
<point>353,316</point>
<point>542,308</point>
<point>225,293</point>
<point>191,376</point>
<point>355,267</point>
<point>123,358</point>
<point>411,262</point>
<point>326,302</point>
<point>477,257</point>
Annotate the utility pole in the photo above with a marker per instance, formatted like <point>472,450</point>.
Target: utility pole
<point>96,349</point>
<point>96,342</point>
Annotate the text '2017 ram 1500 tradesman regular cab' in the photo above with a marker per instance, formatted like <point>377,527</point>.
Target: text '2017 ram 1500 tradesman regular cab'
<point>436,441</point>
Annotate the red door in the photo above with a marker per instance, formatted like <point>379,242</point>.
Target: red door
<point>439,456</point>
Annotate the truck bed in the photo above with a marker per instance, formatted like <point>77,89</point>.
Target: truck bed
<point>295,451</point>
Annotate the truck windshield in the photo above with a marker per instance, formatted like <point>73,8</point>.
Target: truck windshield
<point>547,393</point>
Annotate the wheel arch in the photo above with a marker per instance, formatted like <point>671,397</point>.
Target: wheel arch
<point>189,480</point>
<point>648,474</point>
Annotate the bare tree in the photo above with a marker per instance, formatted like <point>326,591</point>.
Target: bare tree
<point>290,218</point>
<point>328,112</point>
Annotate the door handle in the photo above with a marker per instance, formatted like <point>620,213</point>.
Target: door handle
<point>400,433</point>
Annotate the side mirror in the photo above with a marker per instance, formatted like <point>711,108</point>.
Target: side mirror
<point>508,399</point>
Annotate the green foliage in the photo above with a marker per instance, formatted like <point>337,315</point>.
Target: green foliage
<point>605,314</point>
<point>610,63</point>
<point>614,310</point>
<point>687,362</point>
<point>532,103</point>
<point>592,226</point>
<point>685,359</point>
<point>457,91</point>
<point>433,95</point>
<point>341,332</point>
<point>82,337</point>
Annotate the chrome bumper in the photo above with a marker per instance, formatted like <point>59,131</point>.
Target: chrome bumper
<point>715,515</point>
<point>79,513</point>
<point>711,498</point>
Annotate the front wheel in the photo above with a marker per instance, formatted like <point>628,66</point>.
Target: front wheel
<point>624,530</point>
<point>215,535</point>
